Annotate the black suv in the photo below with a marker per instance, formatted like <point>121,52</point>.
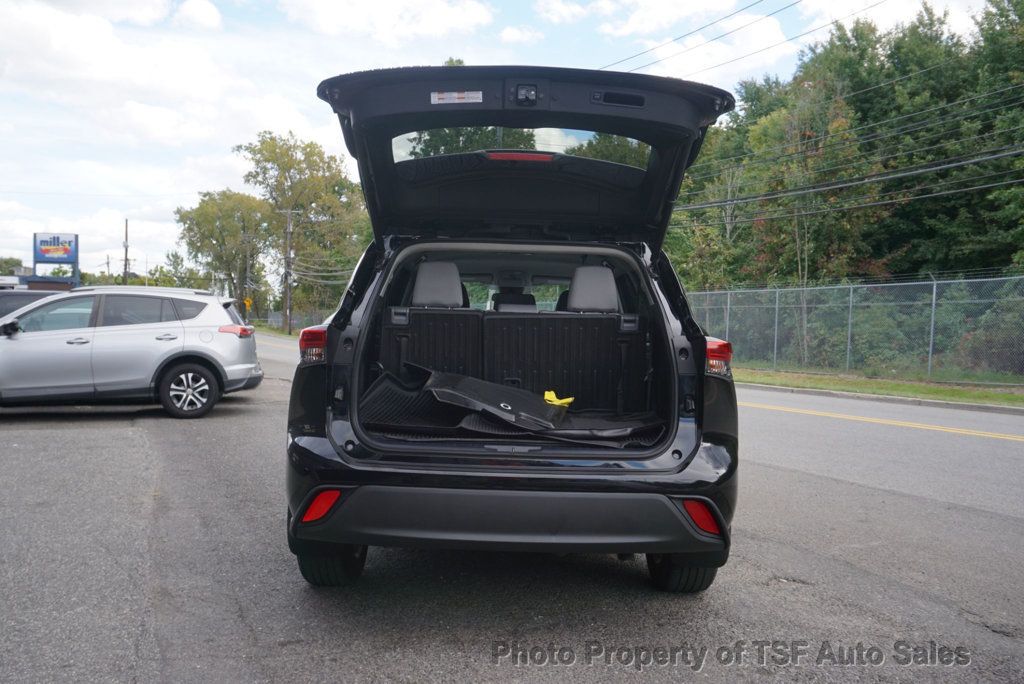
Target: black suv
<point>514,365</point>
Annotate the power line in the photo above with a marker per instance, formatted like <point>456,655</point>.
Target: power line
<point>872,138</point>
<point>745,106</point>
<point>865,158</point>
<point>865,204</point>
<point>1007,151</point>
<point>911,128</point>
<point>685,35</point>
<point>710,40</point>
<point>785,212</point>
<point>782,42</point>
<point>867,125</point>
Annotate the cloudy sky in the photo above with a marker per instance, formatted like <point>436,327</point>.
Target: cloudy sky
<point>114,109</point>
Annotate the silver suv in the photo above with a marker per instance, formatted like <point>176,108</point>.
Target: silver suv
<point>183,348</point>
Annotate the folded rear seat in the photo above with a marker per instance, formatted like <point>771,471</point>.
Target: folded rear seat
<point>434,331</point>
<point>590,351</point>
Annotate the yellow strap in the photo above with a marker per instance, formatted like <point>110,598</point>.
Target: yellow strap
<point>552,398</point>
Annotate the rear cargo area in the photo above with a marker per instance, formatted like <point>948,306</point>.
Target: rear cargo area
<point>563,347</point>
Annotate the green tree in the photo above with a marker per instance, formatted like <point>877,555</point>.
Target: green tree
<point>330,224</point>
<point>8,264</point>
<point>226,233</point>
<point>613,148</point>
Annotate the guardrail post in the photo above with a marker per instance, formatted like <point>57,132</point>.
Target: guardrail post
<point>931,328</point>
<point>775,343</point>
<point>849,331</point>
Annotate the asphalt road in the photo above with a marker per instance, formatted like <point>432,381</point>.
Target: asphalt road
<point>136,547</point>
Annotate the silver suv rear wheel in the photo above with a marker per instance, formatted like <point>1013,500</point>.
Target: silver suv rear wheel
<point>189,391</point>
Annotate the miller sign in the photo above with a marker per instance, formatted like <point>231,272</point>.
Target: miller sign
<point>55,248</point>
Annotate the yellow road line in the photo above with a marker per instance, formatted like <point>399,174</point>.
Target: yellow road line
<point>885,421</point>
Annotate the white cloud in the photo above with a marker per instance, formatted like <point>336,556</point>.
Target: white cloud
<point>141,12</point>
<point>388,21</point>
<point>560,11</point>
<point>520,34</point>
<point>554,139</point>
<point>692,59</point>
<point>650,16</point>
<point>889,14</point>
<point>201,14</point>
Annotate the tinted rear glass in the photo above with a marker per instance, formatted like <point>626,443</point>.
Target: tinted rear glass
<point>134,310</point>
<point>590,144</point>
<point>233,313</point>
<point>9,303</point>
<point>188,309</point>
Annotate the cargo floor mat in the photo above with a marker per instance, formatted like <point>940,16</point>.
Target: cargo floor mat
<point>439,406</point>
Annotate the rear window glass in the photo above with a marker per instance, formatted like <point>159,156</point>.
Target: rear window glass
<point>590,144</point>
<point>131,310</point>
<point>233,314</point>
<point>11,302</point>
<point>188,309</point>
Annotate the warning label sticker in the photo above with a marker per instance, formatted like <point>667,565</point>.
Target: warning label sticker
<point>456,96</point>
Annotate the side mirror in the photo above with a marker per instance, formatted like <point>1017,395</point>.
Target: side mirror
<point>9,328</point>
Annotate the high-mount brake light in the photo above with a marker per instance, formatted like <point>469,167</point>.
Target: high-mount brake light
<point>521,156</point>
<point>313,344</point>
<point>719,357</point>
<point>239,330</point>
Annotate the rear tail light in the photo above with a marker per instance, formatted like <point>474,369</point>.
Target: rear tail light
<point>702,516</point>
<point>719,357</point>
<point>321,505</point>
<point>239,330</point>
<point>313,344</point>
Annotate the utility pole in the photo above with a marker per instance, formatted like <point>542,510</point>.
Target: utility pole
<point>288,268</point>
<point>108,265</point>
<point>124,281</point>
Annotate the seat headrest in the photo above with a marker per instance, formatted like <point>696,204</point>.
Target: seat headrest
<point>513,301</point>
<point>437,284</point>
<point>563,301</point>
<point>593,290</point>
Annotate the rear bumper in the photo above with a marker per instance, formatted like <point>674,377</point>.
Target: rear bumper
<point>599,522</point>
<point>243,377</point>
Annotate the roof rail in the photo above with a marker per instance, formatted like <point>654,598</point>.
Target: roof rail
<point>140,288</point>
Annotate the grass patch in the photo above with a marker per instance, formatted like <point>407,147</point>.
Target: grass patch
<point>272,329</point>
<point>1003,396</point>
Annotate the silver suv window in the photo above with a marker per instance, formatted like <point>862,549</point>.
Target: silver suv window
<point>188,308</point>
<point>135,310</point>
<point>66,314</point>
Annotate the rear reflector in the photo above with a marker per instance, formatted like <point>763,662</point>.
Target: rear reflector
<point>312,344</point>
<point>321,505</point>
<point>520,156</point>
<point>702,516</point>
<point>240,330</point>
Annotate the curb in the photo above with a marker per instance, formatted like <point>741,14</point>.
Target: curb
<point>886,398</point>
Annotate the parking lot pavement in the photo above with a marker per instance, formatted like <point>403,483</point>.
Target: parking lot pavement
<point>133,546</point>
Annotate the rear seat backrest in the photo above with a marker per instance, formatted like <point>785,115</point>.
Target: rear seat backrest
<point>434,331</point>
<point>590,352</point>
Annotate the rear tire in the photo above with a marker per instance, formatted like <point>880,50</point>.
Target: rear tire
<point>336,570</point>
<point>670,573</point>
<point>189,390</point>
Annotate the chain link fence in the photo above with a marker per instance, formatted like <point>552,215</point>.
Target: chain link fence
<point>943,330</point>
